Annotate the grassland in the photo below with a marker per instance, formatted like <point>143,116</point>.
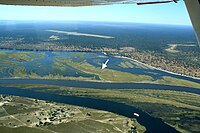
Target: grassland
<point>129,63</point>
<point>178,109</point>
<point>20,114</point>
<point>107,75</point>
<point>19,56</point>
<point>175,81</point>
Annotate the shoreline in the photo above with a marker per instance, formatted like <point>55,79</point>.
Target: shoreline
<point>152,67</point>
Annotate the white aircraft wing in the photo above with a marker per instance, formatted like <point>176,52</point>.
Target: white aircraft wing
<point>79,2</point>
<point>193,7</point>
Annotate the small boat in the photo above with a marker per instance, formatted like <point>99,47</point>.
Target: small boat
<point>136,114</point>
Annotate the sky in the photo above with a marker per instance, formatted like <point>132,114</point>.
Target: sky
<point>170,13</point>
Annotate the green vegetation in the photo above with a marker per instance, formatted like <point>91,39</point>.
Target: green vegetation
<point>41,65</point>
<point>127,64</point>
<point>107,74</point>
<point>4,129</point>
<point>175,81</point>
<point>17,56</point>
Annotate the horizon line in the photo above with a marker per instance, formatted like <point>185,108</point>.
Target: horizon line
<point>98,21</point>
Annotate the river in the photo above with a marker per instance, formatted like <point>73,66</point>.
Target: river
<point>43,65</point>
<point>153,125</point>
<point>100,85</point>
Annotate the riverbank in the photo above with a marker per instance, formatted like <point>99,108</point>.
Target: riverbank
<point>118,108</point>
<point>41,116</point>
<point>152,67</point>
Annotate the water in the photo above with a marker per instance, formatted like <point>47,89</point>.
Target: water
<point>46,65</point>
